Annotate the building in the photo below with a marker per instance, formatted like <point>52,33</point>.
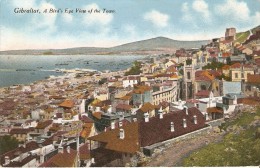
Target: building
<point>230,34</point>
<point>118,146</point>
<point>252,86</point>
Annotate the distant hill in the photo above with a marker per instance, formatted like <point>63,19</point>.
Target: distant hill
<point>150,46</point>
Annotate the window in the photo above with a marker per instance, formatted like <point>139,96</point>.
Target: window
<point>242,75</point>
<point>236,75</point>
<point>188,75</point>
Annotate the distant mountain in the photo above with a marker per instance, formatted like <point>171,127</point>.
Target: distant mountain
<point>150,46</point>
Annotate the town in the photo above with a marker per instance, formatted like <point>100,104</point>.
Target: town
<point>84,119</point>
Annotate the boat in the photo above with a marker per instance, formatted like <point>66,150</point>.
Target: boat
<point>62,64</point>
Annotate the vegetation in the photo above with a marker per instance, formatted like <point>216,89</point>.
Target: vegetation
<point>7,143</point>
<point>188,61</point>
<point>226,78</point>
<point>213,65</point>
<point>47,53</point>
<point>135,69</point>
<point>242,36</point>
<point>240,146</point>
<point>102,81</point>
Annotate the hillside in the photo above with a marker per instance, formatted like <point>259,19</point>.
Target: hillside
<point>239,147</point>
<point>150,46</point>
<point>243,36</point>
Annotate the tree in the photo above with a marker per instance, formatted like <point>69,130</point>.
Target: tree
<point>188,61</point>
<point>135,69</point>
<point>7,143</point>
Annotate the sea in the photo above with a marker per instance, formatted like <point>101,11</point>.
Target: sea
<point>25,69</point>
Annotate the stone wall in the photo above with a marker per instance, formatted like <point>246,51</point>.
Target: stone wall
<point>215,123</point>
<point>149,150</point>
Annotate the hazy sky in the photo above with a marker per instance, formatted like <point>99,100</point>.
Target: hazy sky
<point>133,20</point>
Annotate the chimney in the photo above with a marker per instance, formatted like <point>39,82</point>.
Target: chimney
<point>120,123</point>
<point>134,119</point>
<point>186,110</point>
<point>7,160</point>
<point>160,112</point>
<point>146,117</point>
<point>105,129</point>
<point>60,149</point>
<point>113,125</point>
<point>122,134</point>
<point>121,117</point>
<point>184,123</point>
<point>195,119</point>
<point>68,149</point>
<point>172,127</point>
<point>206,116</point>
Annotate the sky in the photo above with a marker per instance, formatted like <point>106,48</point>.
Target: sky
<point>124,21</point>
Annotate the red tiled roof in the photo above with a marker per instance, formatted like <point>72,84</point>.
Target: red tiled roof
<point>21,130</point>
<point>236,65</point>
<point>214,110</point>
<point>64,159</point>
<point>86,119</point>
<point>227,54</point>
<point>253,79</point>
<point>18,151</point>
<point>124,107</point>
<point>67,104</point>
<point>147,133</point>
<point>204,93</point>
<point>146,108</point>
<point>84,152</point>
<point>226,67</point>
<point>112,141</point>
<point>43,124</point>
<point>158,130</point>
<point>203,76</point>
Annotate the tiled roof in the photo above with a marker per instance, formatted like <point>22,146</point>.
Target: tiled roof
<point>203,93</point>
<point>227,54</point>
<point>146,108</point>
<point>86,119</point>
<point>214,110</point>
<point>64,159</point>
<point>147,133</point>
<point>67,104</point>
<point>43,124</point>
<point>253,79</point>
<point>84,152</point>
<point>226,67</point>
<point>158,130</point>
<point>192,101</point>
<point>112,141</point>
<point>236,65</point>
<point>163,104</point>
<point>21,163</point>
<point>250,101</point>
<point>171,69</point>
<point>126,97</point>
<point>20,150</point>
<point>139,89</point>
<point>203,76</point>
<point>21,130</point>
<point>124,107</point>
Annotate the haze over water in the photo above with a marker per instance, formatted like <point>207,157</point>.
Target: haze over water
<point>25,69</point>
